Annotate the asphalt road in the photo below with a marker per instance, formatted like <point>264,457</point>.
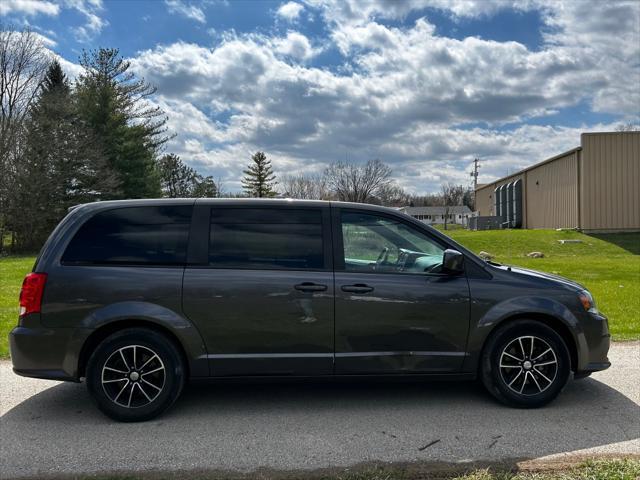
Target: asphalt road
<point>50,428</point>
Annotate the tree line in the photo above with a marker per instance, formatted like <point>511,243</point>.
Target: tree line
<point>371,182</point>
<point>99,137</point>
<point>64,143</point>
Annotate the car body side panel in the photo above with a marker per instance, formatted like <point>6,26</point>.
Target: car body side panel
<point>505,297</point>
<point>90,297</point>
<point>256,322</point>
<point>407,324</point>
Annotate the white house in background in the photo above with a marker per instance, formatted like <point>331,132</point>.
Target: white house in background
<point>459,214</point>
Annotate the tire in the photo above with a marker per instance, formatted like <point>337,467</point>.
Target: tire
<point>516,376</point>
<point>135,375</point>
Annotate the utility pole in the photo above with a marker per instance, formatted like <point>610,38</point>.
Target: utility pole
<point>474,174</point>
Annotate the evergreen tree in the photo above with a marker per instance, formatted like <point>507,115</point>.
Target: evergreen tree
<point>114,103</point>
<point>60,165</point>
<point>259,179</point>
<point>181,181</point>
<point>177,180</point>
<point>205,187</point>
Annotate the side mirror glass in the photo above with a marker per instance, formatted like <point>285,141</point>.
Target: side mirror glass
<point>452,261</point>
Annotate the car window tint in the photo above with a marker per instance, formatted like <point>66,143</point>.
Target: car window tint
<point>265,238</point>
<point>132,235</point>
<point>374,243</point>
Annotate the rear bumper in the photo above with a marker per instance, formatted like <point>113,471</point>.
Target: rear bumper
<point>48,353</point>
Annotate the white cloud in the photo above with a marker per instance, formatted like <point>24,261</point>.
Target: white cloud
<point>295,45</point>
<point>91,10</point>
<point>29,7</point>
<point>290,11</point>
<point>72,70</point>
<point>45,40</point>
<point>607,34</point>
<point>424,103</point>
<point>186,10</point>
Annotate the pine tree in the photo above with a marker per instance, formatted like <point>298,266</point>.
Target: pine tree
<point>259,179</point>
<point>205,187</point>
<point>179,180</point>
<point>60,165</point>
<point>114,103</point>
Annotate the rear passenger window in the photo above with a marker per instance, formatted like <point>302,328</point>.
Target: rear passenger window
<point>263,238</point>
<point>133,235</point>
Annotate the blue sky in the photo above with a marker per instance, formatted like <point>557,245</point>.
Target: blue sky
<point>423,85</point>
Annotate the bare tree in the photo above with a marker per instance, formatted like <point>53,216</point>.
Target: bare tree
<point>307,187</point>
<point>428,200</point>
<point>221,192</point>
<point>628,127</point>
<point>452,195</point>
<point>393,195</point>
<point>23,64</point>
<point>357,183</point>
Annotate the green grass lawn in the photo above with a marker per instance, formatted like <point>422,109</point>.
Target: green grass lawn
<point>608,265</point>
<point>12,271</point>
<point>613,469</point>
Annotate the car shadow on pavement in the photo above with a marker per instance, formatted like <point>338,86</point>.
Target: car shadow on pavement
<point>419,418</point>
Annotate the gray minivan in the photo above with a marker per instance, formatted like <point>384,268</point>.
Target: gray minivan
<point>139,296</point>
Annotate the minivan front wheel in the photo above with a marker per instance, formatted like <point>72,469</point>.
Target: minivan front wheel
<point>135,374</point>
<point>525,364</point>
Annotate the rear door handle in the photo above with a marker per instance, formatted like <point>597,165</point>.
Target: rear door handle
<point>357,288</point>
<point>310,287</point>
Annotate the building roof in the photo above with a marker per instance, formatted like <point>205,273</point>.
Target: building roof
<point>455,209</point>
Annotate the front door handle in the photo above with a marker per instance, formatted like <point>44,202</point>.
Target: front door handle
<point>357,288</point>
<point>310,287</point>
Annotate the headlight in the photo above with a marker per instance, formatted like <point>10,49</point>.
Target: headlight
<point>588,303</point>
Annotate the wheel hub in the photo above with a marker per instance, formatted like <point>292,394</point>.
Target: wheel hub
<point>528,365</point>
<point>133,376</point>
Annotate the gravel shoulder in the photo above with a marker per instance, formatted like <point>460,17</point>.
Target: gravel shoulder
<point>52,429</point>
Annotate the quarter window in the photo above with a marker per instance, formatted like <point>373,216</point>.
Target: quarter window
<point>379,244</point>
<point>132,235</point>
<point>263,238</point>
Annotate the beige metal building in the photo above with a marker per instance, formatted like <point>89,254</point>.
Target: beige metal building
<point>594,187</point>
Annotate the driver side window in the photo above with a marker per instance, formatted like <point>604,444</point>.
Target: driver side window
<point>374,243</point>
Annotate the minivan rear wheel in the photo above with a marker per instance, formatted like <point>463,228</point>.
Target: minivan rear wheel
<point>135,374</point>
<point>525,364</point>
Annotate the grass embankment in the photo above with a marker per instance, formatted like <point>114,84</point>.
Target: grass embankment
<point>590,470</point>
<point>610,469</point>
<point>608,265</point>
<point>625,469</point>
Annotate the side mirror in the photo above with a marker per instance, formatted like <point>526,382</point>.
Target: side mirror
<point>452,261</point>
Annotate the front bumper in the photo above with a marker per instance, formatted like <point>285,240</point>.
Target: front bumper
<point>50,353</point>
<point>597,343</point>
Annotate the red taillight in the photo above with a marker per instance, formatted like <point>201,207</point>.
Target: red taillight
<point>31,293</point>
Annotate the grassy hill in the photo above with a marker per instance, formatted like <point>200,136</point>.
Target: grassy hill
<point>608,265</point>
